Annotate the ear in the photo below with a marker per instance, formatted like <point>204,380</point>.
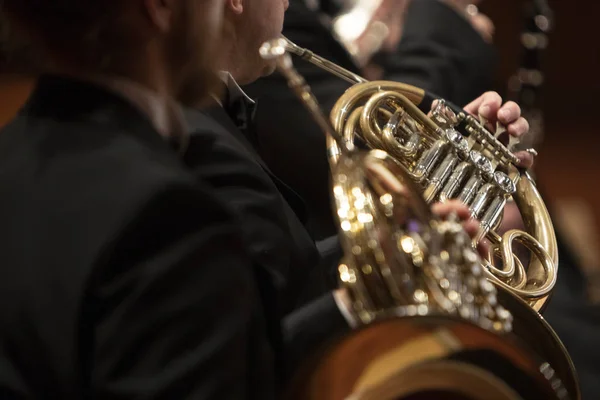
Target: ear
<point>160,13</point>
<point>235,6</point>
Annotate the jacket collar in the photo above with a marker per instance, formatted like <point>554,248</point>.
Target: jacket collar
<point>69,99</point>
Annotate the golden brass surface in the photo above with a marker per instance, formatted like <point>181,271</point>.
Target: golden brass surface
<point>426,357</point>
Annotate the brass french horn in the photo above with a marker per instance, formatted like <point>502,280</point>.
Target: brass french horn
<point>431,325</point>
<point>452,155</point>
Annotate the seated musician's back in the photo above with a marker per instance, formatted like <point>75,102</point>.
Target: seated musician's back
<point>118,267</point>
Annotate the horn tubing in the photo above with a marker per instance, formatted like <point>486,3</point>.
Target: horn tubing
<point>422,99</point>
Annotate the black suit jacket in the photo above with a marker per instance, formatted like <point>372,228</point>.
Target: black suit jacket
<point>121,276</point>
<point>270,212</point>
<point>439,52</point>
<point>271,219</point>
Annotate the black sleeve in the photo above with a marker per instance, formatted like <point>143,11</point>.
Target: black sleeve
<point>311,328</point>
<point>442,53</point>
<point>277,241</point>
<point>179,315</point>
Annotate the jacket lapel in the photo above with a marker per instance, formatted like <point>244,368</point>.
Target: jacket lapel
<point>216,118</point>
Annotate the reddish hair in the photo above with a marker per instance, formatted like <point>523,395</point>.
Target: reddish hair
<point>77,31</point>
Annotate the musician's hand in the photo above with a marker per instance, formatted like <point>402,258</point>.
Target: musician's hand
<point>480,22</point>
<point>489,106</point>
<point>462,4</point>
<point>470,225</point>
<point>391,13</point>
<point>484,26</point>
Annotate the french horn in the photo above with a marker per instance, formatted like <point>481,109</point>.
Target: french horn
<point>451,154</point>
<point>431,323</point>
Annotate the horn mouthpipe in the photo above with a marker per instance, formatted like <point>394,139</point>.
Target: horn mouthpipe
<point>426,98</point>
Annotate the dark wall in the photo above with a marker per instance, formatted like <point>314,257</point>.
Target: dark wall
<point>569,161</point>
<point>572,61</point>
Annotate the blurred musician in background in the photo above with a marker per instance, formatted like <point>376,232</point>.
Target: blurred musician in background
<point>440,51</point>
<point>122,275</point>
<point>371,30</point>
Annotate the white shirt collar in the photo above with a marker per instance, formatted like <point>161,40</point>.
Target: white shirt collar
<point>234,90</point>
<point>165,115</point>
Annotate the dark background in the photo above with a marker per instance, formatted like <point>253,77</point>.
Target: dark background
<point>567,162</point>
